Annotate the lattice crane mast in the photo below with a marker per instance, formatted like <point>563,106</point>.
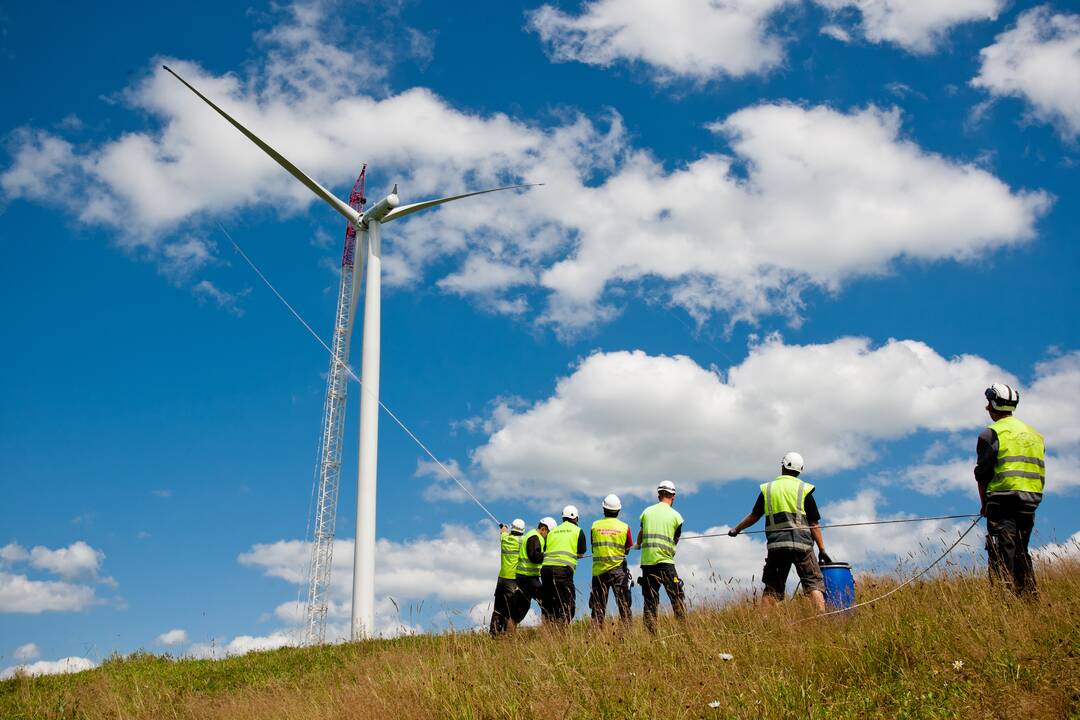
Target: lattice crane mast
<point>333,427</point>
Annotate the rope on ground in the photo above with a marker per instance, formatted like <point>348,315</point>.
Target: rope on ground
<point>353,374</point>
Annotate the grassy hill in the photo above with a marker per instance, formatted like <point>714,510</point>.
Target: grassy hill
<point>946,648</point>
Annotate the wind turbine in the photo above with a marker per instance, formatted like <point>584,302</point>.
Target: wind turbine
<point>368,226</point>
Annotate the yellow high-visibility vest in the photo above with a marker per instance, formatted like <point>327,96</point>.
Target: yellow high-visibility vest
<point>608,537</point>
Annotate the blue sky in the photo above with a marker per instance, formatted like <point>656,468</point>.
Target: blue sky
<point>773,226</point>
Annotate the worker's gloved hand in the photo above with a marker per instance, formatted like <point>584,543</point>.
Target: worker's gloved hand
<point>732,532</point>
<point>823,558</point>
<point>503,526</point>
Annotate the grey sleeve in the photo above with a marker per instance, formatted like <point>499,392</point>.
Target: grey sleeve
<point>581,548</point>
<point>678,533</point>
<point>986,451</point>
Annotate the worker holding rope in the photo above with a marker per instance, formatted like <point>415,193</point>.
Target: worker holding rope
<point>530,559</point>
<point>611,541</point>
<point>1011,473</point>
<point>661,526</point>
<point>792,527</point>
<point>565,546</point>
<point>506,588</point>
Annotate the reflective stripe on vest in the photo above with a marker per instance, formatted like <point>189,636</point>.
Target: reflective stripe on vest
<point>658,524</point>
<point>525,566</point>
<point>608,537</point>
<point>1021,460</point>
<point>562,546</point>
<point>785,514</point>
<point>511,546</point>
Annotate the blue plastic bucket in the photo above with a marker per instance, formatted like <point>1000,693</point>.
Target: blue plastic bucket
<point>839,586</point>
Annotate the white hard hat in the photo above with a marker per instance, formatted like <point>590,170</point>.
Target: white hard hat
<point>666,486</point>
<point>570,512</point>
<point>518,525</point>
<point>549,523</point>
<point>612,502</point>
<point>792,461</point>
<point>1002,397</point>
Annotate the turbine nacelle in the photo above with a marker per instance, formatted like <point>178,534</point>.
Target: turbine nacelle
<point>379,210</point>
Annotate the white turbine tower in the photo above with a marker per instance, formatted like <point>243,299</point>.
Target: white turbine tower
<point>368,227</point>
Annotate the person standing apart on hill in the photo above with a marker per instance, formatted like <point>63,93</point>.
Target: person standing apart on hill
<point>506,589</point>
<point>530,558</point>
<point>792,527</point>
<point>565,544</point>
<point>1011,474</point>
<point>661,526</point>
<point>611,541</point>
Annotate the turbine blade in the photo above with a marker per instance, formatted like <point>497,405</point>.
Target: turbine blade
<point>343,208</point>
<point>404,210</point>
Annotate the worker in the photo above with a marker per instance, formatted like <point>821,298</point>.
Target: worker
<point>792,528</point>
<point>564,546</point>
<point>611,541</point>
<point>506,589</point>
<point>1011,473</point>
<point>661,526</point>
<point>530,558</point>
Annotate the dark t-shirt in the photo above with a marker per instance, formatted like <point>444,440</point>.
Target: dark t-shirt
<point>812,514</point>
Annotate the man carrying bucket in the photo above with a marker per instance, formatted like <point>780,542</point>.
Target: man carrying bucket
<point>791,528</point>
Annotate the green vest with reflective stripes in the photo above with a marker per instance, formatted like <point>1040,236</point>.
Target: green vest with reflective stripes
<point>562,545</point>
<point>1021,460</point>
<point>608,544</point>
<point>658,525</point>
<point>525,566</point>
<point>785,514</point>
<point>510,548</point>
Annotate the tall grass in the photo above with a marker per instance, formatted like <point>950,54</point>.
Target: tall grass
<point>946,648</point>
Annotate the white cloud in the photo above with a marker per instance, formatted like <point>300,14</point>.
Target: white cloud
<point>244,644</point>
<point>918,26</point>
<point>624,420</point>
<point>699,39</point>
<point>172,637</point>
<point>460,564</point>
<point>205,290</point>
<point>1055,552</point>
<point>13,553</point>
<point>49,667</point>
<point>20,594</point>
<point>78,564</point>
<point>810,197</point>
<point>29,651</point>
<point>75,560</point>
<point>40,164</point>
<point>1038,60</point>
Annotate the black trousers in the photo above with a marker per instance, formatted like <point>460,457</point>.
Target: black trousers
<point>618,580</point>
<point>529,588</point>
<point>506,592</point>
<point>1009,522</point>
<point>653,577</point>
<point>559,602</point>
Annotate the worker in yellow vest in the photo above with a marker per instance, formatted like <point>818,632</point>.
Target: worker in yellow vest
<point>565,545</point>
<point>792,527</point>
<point>506,589</point>
<point>661,526</point>
<point>611,541</point>
<point>1011,474</point>
<point>530,559</point>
